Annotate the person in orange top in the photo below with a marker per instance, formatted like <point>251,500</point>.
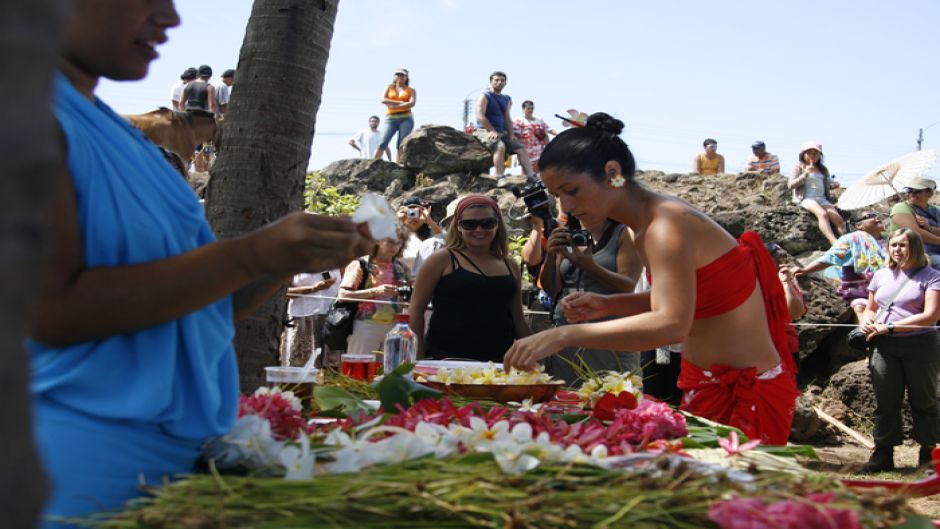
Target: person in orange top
<point>400,98</point>
<point>709,162</point>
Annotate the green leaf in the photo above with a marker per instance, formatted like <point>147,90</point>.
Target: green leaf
<point>916,522</point>
<point>334,399</point>
<point>399,388</point>
<point>789,450</point>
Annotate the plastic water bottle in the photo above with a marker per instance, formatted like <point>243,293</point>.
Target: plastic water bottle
<point>401,344</point>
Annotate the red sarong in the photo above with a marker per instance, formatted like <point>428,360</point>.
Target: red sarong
<point>762,409</point>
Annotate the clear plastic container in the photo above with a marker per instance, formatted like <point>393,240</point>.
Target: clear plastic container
<point>401,344</point>
<point>300,380</point>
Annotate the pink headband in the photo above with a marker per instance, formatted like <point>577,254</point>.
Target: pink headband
<point>475,200</point>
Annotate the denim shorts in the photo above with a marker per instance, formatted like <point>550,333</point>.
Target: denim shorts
<point>403,126</point>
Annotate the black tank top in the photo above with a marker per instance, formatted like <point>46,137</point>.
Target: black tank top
<point>472,315</point>
<point>197,95</point>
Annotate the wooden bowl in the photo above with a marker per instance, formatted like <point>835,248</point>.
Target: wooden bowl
<point>499,392</point>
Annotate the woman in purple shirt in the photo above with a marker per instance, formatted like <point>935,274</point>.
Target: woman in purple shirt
<point>903,306</point>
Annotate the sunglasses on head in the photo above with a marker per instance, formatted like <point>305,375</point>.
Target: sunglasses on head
<point>471,224</point>
<point>868,216</point>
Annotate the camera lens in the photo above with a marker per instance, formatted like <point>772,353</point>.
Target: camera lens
<point>413,213</point>
<point>579,238</point>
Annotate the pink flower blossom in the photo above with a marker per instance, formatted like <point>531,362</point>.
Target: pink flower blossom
<point>732,444</point>
<point>812,513</point>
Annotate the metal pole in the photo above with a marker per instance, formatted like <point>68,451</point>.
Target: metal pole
<point>920,138</point>
<point>466,113</point>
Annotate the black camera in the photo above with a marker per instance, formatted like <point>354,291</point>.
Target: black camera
<point>537,203</point>
<point>579,237</point>
<point>404,292</point>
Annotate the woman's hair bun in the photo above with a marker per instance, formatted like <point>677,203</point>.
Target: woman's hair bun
<point>605,122</point>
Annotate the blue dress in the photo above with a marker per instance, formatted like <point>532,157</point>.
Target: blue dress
<point>113,412</point>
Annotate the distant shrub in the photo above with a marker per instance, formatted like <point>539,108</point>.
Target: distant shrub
<point>322,198</point>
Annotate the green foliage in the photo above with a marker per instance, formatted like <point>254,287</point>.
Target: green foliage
<point>322,198</point>
<point>515,251</point>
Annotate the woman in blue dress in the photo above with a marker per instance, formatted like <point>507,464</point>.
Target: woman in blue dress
<point>132,365</point>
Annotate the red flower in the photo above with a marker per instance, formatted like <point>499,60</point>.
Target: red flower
<point>286,422</point>
<point>608,404</point>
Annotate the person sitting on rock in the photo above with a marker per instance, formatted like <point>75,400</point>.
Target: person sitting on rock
<point>859,254</point>
<point>494,128</point>
<point>761,161</point>
<point>709,162</point>
<point>810,183</point>
<point>917,214</point>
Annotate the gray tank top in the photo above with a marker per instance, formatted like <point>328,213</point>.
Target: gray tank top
<point>605,257</point>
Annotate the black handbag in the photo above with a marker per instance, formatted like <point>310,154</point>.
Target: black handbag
<point>856,337</point>
<point>338,324</point>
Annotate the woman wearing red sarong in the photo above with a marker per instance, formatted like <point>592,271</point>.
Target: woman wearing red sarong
<point>719,296</point>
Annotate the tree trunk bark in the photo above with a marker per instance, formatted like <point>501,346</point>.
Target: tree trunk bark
<point>32,158</point>
<point>259,174</point>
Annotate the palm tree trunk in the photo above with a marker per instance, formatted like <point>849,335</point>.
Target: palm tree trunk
<point>32,158</point>
<point>259,173</point>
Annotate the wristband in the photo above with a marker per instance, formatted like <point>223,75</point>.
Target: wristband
<point>890,327</point>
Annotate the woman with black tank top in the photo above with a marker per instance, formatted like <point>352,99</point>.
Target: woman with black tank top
<point>474,287</point>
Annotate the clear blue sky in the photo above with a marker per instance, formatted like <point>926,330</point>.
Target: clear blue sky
<point>858,76</point>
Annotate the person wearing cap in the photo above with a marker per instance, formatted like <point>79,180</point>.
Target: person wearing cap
<point>810,184</point>
<point>761,161</point>
<point>475,287</point>
<point>495,130</point>
<point>399,98</point>
<point>415,214</point>
<point>708,162</point>
<point>223,90</point>
<point>917,214</point>
<point>367,140</point>
<point>199,94</point>
<point>858,254</point>
<point>177,90</point>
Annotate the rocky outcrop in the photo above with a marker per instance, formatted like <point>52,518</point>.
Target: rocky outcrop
<point>357,176</point>
<point>438,150</point>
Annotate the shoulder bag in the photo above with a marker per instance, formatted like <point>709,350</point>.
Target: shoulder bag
<point>338,324</point>
<point>857,338</point>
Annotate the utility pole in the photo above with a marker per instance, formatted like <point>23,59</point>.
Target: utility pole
<point>920,134</point>
<point>467,104</point>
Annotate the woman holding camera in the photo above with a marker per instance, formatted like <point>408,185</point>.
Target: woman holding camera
<point>425,235</point>
<point>719,296</point>
<point>376,314</point>
<point>903,306</point>
<point>601,259</point>
<point>474,286</point>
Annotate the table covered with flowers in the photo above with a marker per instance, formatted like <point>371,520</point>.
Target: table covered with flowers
<point>602,457</point>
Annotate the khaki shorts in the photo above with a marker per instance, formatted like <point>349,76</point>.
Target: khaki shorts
<point>482,136</point>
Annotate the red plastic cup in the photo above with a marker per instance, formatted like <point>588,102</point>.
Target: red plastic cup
<point>359,366</point>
